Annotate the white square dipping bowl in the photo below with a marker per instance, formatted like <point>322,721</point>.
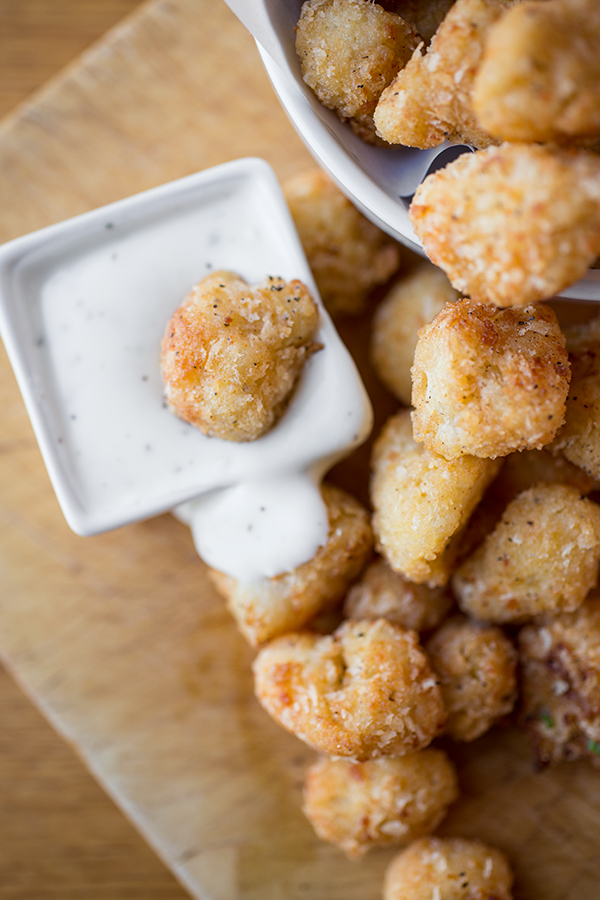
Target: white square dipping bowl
<point>83,307</point>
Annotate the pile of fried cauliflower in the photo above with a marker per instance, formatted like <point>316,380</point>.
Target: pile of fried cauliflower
<point>466,596</point>
<point>518,220</point>
<point>467,593</point>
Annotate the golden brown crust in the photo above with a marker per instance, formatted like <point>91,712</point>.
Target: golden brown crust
<point>542,557</point>
<point>579,438</point>
<point>430,98</point>
<point>411,303</point>
<point>421,500</point>
<point>348,255</point>
<point>560,666</point>
<point>272,606</point>
<point>539,79</point>
<point>488,382</point>
<point>231,354</point>
<point>448,869</point>
<point>365,691</point>
<point>349,52</point>
<point>381,592</point>
<point>477,669</point>
<point>511,224</point>
<point>379,803</point>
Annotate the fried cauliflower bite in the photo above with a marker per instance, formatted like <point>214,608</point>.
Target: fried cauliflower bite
<point>448,869</point>
<point>489,381</point>
<point>560,684</point>
<point>381,802</point>
<point>579,438</point>
<point>430,98</point>
<point>383,593</point>
<point>349,52</point>
<point>421,500</point>
<point>367,690</point>
<point>272,606</point>
<point>409,305</point>
<point>542,557</point>
<point>511,224</point>
<point>349,256</point>
<point>476,665</point>
<point>539,79</point>
<point>231,353</point>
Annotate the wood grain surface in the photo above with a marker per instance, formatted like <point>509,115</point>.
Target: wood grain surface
<point>61,835</point>
<point>119,639</point>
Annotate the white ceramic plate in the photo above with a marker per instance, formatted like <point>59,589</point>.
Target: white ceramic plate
<point>83,307</point>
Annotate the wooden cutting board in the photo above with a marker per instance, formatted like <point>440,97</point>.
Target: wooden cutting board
<point>119,639</point>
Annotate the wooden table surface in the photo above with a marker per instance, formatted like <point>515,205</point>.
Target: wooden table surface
<point>60,835</point>
<point>157,694</point>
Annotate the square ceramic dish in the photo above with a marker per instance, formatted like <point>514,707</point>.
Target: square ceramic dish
<point>83,307</point>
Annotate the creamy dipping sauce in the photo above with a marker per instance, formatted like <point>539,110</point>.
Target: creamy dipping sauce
<point>85,304</point>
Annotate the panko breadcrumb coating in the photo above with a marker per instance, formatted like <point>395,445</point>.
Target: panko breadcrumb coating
<point>560,666</point>
<point>430,98</point>
<point>489,381</point>
<point>349,256</point>
<point>542,557</point>
<point>381,802</point>
<point>511,224</point>
<point>367,690</point>
<point>579,438</point>
<point>381,592</point>
<point>476,665</point>
<point>272,606</point>
<point>231,353</point>
<point>412,302</point>
<point>448,869</point>
<point>349,52</point>
<point>539,79</point>
<point>421,500</point>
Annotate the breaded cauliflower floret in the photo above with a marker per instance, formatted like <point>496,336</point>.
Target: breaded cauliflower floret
<point>511,224</point>
<point>448,869</point>
<point>489,381</point>
<point>348,255</point>
<point>421,500</point>
<point>231,353</point>
<point>349,52</point>
<point>560,682</point>
<point>272,606</point>
<point>579,438</point>
<point>539,79</point>
<point>411,303</point>
<point>477,669</point>
<point>430,98</point>
<point>367,690</point>
<point>381,592</point>
<point>542,557</point>
<point>381,802</point>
